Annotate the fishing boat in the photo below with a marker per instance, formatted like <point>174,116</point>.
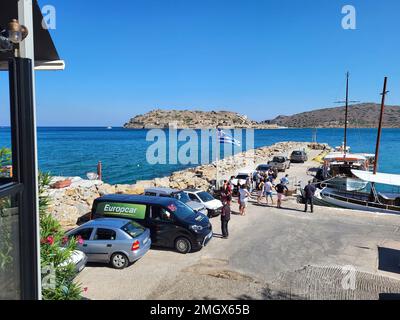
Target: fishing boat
<point>371,199</point>
<point>337,171</point>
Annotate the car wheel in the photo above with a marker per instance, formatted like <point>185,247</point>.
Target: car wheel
<point>119,260</point>
<point>183,245</point>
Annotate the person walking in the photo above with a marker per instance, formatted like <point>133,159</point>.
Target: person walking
<point>309,191</point>
<point>244,196</point>
<point>280,189</point>
<point>271,175</point>
<point>225,217</point>
<point>268,186</point>
<point>249,184</point>
<point>226,193</point>
<point>261,190</point>
<point>285,180</point>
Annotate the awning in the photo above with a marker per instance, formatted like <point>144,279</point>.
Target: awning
<point>340,156</point>
<point>46,55</point>
<point>383,178</point>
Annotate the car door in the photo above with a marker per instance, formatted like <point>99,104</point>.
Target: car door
<point>162,226</point>
<point>101,244</point>
<point>82,236</point>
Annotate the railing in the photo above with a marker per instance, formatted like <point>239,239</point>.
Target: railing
<point>363,203</point>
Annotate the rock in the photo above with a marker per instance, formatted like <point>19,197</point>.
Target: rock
<point>161,182</point>
<point>105,188</point>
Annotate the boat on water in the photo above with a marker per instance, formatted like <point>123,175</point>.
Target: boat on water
<point>336,171</point>
<point>373,201</point>
<point>109,128</point>
<point>370,199</point>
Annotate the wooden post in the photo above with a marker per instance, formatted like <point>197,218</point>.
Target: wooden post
<point>99,171</point>
<point>378,139</point>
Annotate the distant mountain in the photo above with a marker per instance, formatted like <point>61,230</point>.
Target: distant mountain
<point>365,115</point>
<point>191,119</point>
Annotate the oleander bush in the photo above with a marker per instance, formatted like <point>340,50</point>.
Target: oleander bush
<point>55,251</point>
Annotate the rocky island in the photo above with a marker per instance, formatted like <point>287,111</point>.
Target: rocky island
<point>364,115</point>
<point>187,119</point>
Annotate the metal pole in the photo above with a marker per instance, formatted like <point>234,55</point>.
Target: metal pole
<point>26,50</point>
<point>378,139</point>
<point>346,114</point>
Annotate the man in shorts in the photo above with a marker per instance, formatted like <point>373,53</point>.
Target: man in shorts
<point>280,189</point>
<point>268,191</point>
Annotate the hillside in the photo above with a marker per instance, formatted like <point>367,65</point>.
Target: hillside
<point>187,119</point>
<point>365,115</point>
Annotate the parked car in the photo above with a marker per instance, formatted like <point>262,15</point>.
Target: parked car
<point>241,179</point>
<point>78,259</point>
<point>280,163</point>
<point>172,223</point>
<point>213,205</point>
<point>177,194</point>
<point>263,168</point>
<point>110,240</point>
<point>298,156</point>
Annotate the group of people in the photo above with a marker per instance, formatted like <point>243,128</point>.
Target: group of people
<point>265,184</point>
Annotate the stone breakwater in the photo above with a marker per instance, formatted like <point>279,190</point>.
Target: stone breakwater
<point>67,204</point>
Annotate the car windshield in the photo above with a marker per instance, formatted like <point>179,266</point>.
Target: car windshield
<point>279,159</point>
<point>205,196</point>
<point>182,211</point>
<point>263,168</point>
<point>133,229</point>
<point>241,177</point>
<point>296,153</point>
<point>181,196</point>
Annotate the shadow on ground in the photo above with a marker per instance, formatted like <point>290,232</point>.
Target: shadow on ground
<point>389,260</point>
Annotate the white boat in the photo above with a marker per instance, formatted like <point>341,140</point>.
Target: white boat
<point>109,128</point>
<point>337,172</point>
<point>372,201</point>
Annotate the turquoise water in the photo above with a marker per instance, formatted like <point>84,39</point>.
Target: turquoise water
<point>76,151</point>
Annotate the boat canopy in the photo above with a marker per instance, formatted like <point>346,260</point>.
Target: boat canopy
<point>383,178</point>
<point>340,156</point>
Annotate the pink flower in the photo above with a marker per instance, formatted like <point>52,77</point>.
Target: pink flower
<point>85,289</point>
<point>79,239</point>
<point>64,240</point>
<point>50,240</point>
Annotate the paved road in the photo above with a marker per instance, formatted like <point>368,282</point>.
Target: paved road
<point>271,254</point>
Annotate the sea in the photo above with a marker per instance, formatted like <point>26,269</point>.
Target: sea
<point>75,151</point>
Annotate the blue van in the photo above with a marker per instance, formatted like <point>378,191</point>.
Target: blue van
<point>172,223</point>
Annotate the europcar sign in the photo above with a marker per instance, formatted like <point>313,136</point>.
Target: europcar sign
<point>128,210</point>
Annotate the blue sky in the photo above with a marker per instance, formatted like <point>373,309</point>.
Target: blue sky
<point>260,57</point>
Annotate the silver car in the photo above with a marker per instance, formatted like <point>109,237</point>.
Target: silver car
<point>177,194</point>
<point>112,240</point>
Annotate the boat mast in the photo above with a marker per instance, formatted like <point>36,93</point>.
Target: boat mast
<point>378,139</point>
<point>346,114</point>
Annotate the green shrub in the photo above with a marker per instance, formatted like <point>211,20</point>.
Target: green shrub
<point>57,280</point>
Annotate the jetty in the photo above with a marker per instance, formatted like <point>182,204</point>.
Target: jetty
<point>271,254</point>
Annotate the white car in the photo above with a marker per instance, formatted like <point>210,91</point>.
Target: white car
<point>213,205</point>
<point>78,259</point>
<point>241,177</point>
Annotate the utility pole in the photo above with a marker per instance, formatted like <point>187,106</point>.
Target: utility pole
<point>378,139</point>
